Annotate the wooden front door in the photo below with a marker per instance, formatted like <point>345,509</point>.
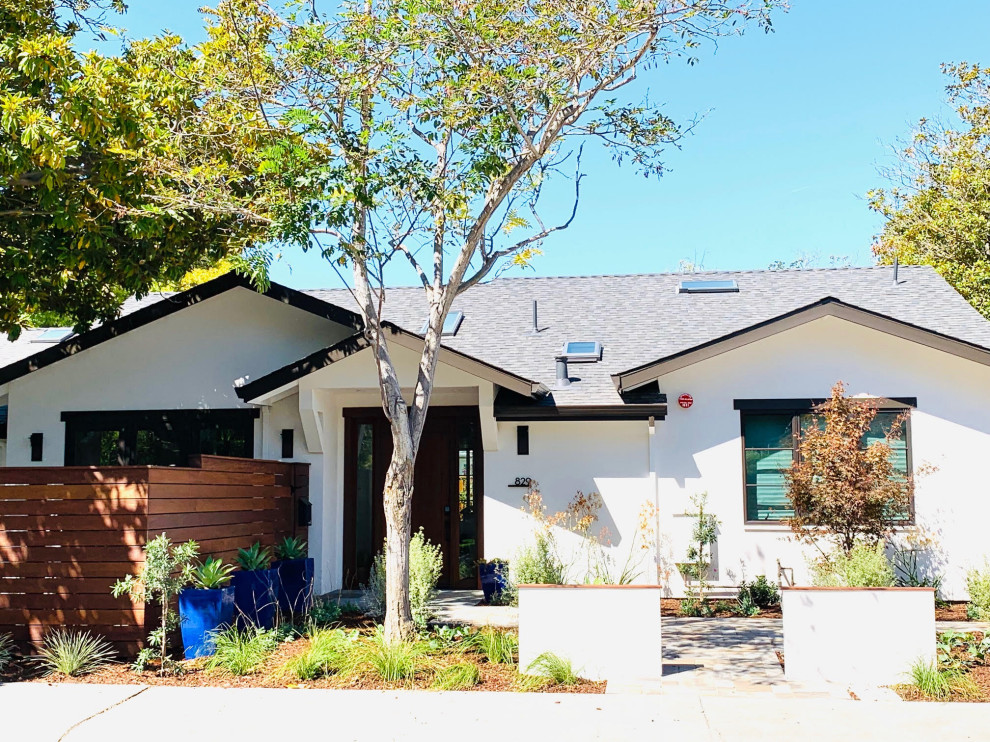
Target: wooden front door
<point>447,497</point>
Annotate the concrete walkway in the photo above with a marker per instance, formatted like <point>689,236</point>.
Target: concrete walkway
<point>34,712</point>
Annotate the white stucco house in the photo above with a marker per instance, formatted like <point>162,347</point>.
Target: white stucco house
<point>672,385</point>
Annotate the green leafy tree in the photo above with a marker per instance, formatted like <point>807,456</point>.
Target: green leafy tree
<point>84,218</point>
<point>938,204</point>
<point>167,569</point>
<point>425,131</point>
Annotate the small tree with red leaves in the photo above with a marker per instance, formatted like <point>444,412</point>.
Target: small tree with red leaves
<point>842,489</point>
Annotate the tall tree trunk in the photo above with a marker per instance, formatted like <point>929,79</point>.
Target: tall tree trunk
<point>398,523</point>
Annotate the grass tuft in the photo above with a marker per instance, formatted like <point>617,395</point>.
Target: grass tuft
<point>457,677</point>
<point>6,651</point>
<point>497,645</point>
<point>330,652</point>
<point>940,683</point>
<point>73,653</point>
<point>557,668</point>
<point>242,652</point>
<point>392,661</point>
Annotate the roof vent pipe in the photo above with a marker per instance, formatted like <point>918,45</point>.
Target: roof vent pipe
<point>896,269</point>
<point>562,380</point>
<point>535,329</point>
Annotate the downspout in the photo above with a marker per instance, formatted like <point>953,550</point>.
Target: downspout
<point>655,484</point>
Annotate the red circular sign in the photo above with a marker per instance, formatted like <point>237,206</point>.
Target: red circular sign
<point>685,400</point>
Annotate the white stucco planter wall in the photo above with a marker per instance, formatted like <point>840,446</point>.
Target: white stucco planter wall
<point>581,623</point>
<point>868,636</point>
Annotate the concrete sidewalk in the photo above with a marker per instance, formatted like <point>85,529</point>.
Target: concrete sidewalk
<point>34,712</point>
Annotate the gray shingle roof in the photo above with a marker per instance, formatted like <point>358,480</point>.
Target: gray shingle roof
<point>641,318</point>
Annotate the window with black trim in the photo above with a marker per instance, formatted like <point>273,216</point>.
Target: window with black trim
<point>770,444</point>
<point>156,437</point>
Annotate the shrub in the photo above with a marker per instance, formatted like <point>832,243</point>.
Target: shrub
<point>330,652</point>
<point>538,563</point>
<point>290,548</point>
<point>531,683</point>
<point>498,646</point>
<point>745,606</point>
<point>6,651</point>
<point>978,585</point>
<point>760,593</point>
<point>865,565</point>
<point>323,612</point>
<point>558,669</point>
<point>212,574</point>
<point>241,652</point>
<point>73,653</point>
<point>167,569</point>
<point>457,677</point>
<point>425,566</point>
<point>254,558</point>
<point>392,661</point>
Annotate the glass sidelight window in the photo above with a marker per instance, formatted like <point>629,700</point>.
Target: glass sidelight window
<point>467,501</point>
<point>364,529</point>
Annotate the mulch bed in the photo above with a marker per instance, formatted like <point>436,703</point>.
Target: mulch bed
<point>954,611</point>
<point>672,607</point>
<point>271,674</point>
<point>978,674</point>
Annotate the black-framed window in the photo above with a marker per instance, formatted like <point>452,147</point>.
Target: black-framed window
<point>770,443</point>
<point>156,437</point>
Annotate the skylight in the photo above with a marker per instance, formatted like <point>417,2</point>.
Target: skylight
<point>53,335</point>
<point>582,351</point>
<point>450,325</point>
<point>708,287</point>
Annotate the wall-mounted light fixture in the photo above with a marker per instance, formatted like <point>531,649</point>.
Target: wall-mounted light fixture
<point>522,440</point>
<point>37,446</point>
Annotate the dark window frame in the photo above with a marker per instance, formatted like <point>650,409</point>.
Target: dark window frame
<point>134,420</point>
<point>796,408</point>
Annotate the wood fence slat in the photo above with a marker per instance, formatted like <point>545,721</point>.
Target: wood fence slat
<point>174,475</point>
<point>158,506</point>
<point>62,475</point>
<point>21,553</point>
<point>59,522</point>
<point>72,617</point>
<point>73,601</point>
<point>164,522</point>
<point>220,491</point>
<point>72,507</point>
<point>65,585</point>
<point>66,569</point>
<point>73,539</point>
<point>108,493</point>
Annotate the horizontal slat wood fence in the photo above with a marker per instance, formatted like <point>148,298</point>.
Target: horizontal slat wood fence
<point>68,533</point>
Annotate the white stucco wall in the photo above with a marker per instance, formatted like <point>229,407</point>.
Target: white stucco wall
<point>610,458</point>
<point>189,359</point>
<point>699,449</point>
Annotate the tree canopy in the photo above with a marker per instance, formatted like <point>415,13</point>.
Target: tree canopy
<point>938,204</point>
<point>82,137</point>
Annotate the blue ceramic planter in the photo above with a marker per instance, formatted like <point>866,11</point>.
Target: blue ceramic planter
<point>295,593</point>
<point>494,579</point>
<point>256,597</point>
<point>204,612</point>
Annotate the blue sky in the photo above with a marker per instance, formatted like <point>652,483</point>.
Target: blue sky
<point>796,124</point>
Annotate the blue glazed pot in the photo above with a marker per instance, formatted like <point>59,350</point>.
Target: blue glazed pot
<point>295,593</point>
<point>256,597</point>
<point>494,579</point>
<point>204,612</point>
